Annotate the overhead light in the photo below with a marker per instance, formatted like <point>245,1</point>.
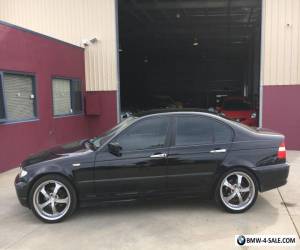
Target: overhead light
<point>94,40</point>
<point>195,43</point>
<point>87,42</point>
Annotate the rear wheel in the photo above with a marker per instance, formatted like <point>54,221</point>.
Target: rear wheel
<point>237,191</point>
<point>52,198</point>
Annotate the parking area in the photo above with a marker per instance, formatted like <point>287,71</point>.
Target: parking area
<point>180,224</point>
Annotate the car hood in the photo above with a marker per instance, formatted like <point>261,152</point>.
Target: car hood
<point>238,113</point>
<point>63,151</point>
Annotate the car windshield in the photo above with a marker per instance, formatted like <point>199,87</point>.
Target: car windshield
<point>236,105</point>
<point>100,140</point>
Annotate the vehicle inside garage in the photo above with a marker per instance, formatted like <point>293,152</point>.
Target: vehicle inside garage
<point>189,53</point>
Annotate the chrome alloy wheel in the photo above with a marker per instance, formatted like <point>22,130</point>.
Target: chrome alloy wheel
<point>51,200</point>
<point>237,190</point>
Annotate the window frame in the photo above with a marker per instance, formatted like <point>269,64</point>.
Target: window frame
<point>72,81</point>
<point>34,91</point>
<point>212,119</point>
<point>167,141</point>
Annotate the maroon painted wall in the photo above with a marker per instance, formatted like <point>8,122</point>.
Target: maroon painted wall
<point>281,112</point>
<point>23,51</point>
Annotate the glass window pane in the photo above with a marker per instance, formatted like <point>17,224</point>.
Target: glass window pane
<point>2,112</point>
<point>61,97</point>
<point>223,134</point>
<point>19,96</point>
<point>147,134</point>
<point>76,97</point>
<point>192,130</point>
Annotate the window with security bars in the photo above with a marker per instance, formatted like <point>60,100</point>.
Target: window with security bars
<point>17,97</point>
<point>67,97</point>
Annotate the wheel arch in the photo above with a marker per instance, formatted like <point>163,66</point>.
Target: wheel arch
<point>50,172</point>
<point>224,169</point>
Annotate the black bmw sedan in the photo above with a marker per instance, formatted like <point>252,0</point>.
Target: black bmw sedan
<point>160,155</point>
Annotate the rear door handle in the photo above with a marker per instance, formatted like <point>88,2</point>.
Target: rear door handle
<point>223,150</point>
<point>158,156</point>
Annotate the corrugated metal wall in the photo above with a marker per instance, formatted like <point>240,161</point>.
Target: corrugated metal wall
<point>281,48</point>
<point>72,21</point>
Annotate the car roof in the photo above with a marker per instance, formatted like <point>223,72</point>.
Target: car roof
<point>174,110</point>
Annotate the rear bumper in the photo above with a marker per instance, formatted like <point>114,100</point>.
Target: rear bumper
<point>272,176</point>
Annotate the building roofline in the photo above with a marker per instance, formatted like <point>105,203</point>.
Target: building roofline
<point>38,34</point>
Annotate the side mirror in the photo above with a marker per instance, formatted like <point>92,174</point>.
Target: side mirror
<point>115,148</point>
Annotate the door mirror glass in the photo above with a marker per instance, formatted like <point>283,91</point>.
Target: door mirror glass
<point>115,148</point>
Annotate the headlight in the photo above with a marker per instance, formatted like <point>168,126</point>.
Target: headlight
<point>22,173</point>
<point>253,115</point>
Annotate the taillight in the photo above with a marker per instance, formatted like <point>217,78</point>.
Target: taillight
<point>281,154</point>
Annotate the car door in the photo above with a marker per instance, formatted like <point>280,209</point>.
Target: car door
<point>196,152</point>
<point>141,165</point>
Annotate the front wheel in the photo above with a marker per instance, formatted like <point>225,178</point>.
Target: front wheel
<point>237,191</point>
<point>52,198</point>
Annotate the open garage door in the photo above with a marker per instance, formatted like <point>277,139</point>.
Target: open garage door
<point>190,53</point>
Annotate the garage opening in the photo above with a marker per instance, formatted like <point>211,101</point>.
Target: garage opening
<point>190,54</point>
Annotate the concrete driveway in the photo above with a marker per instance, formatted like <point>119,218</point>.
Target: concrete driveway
<point>182,224</point>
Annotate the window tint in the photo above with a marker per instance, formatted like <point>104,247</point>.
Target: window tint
<point>193,130</point>
<point>19,93</point>
<point>146,134</point>
<point>223,134</point>
<point>67,96</point>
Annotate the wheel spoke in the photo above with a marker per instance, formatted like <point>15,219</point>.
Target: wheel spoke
<point>56,188</point>
<point>54,211</point>
<point>240,197</point>
<point>45,204</point>
<point>239,179</point>
<point>227,184</point>
<point>230,197</point>
<point>245,190</point>
<point>64,200</point>
<point>44,192</point>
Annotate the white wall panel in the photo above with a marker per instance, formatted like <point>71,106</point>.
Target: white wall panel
<point>281,46</point>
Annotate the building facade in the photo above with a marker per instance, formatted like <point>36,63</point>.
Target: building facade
<point>79,41</point>
<point>43,83</point>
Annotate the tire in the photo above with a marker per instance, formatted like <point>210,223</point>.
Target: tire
<point>232,193</point>
<point>52,198</point>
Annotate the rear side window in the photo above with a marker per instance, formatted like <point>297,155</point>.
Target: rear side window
<point>223,133</point>
<point>146,134</point>
<point>193,130</point>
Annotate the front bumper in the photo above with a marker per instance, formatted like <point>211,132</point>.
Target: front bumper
<point>22,189</point>
<point>272,176</point>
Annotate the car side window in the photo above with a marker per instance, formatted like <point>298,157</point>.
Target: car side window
<point>146,134</point>
<point>222,133</point>
<point>193,130</point>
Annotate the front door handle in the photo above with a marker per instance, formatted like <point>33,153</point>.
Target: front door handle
<point>159,156</point>
<point>223,150</point>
